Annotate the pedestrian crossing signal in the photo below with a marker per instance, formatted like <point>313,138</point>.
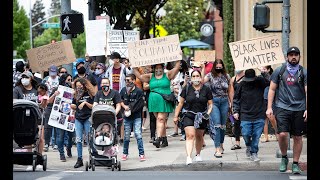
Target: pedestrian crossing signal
<point>72,23</point>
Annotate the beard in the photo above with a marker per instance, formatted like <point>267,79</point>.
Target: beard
<point>293,63</point>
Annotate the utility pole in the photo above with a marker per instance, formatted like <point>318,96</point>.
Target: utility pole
<point>65,9</point>
<point>285,25</point>
<point>30,21</point>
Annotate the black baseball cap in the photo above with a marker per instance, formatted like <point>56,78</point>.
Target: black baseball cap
<point>293,49</point>
<point>249,75</point>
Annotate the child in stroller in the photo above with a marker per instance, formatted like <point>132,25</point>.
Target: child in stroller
<point>103,137</point>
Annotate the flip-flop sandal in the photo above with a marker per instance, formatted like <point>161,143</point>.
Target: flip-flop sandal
<point>236,146</point>
<point>217,155</point>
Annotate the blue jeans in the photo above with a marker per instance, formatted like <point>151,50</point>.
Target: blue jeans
<point>251,132</point>
<point>219,118</point>
<point>61,134</point>
<point>80,127</point>
<point>136,123</point>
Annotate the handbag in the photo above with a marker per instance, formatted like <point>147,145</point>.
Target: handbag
<point>168,97</point>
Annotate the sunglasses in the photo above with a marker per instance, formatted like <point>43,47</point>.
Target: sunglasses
<point>197,94</point>
<point>128,80</point>
<point>98,68</point>
<point>68,80</point>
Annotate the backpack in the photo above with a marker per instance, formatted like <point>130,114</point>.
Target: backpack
<point>300,75</point>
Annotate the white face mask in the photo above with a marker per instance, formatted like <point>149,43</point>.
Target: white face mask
<point>158,72</point>
<point>25,81</point>
<point>98,71</point>
<point>196,81</point>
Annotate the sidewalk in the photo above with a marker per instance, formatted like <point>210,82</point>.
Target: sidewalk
<point>173,157</point>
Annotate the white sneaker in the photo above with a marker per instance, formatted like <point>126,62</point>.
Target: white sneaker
<point>29,168</point>
<point>132,134</point>
<point>189,161</point>
<point>254,157</point>
<point>197,158</point>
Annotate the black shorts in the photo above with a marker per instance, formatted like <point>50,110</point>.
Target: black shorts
<point>187,121</point>
<point>290,121</point>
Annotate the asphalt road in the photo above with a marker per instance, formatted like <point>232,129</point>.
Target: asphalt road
<point>156,175</point>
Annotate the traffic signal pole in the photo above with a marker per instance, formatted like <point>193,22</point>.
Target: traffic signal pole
<point>65,9</point>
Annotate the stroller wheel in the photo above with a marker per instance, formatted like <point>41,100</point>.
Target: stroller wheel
<point>87,165</point>
<point>93,167</point>
<point>44,163</point>
<point>119,166</point>
<point>112,167</point>
<point>34,162</point>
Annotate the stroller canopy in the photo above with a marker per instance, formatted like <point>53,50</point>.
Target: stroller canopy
<point>103,113</point>
<point>22,103</point>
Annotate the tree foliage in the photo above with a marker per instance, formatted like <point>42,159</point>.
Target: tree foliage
<point>20,29</point>
<point>46,36</point>
<point>37,14</point>
<point>79,45</point>
<point>228,34</point>
<point>183,18</point>
<point>55,7</point>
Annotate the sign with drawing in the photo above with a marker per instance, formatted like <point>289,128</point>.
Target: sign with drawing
<point>59,53</point>
<point>154,51</point>
<point>117,41</point>
<point>204,55</point>
<point>62,116</point>
<point>257,52</point>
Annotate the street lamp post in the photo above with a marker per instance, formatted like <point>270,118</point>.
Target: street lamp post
<point>30,25</point>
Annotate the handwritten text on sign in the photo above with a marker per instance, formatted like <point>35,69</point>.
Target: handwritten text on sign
<point>154,51</point>
<point>59,53</point>
<point>204,55</point>
<point>256,52</point>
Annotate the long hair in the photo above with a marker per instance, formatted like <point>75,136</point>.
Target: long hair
<point>87,86</point>
<point>270,68</point>
<point>63,78</point>
<point>213,70</point>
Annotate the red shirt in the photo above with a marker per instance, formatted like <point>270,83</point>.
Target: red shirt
<point>116,78</point>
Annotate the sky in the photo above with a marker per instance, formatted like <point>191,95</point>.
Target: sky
<point>79,5</point>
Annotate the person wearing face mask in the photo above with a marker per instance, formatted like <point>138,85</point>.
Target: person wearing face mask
<point>290,83</point>
<point>64,80</point>
<point>132,103</point>
<point>17,73</point>
<point>82,74</point>
<point>62,70</point>
<point>159,82</point>
<point>218,81</point>
<point>99,73</point>
<point>110,97</point>
<point>198,105</point>
<point>233,85</point>
<point>82,103</point>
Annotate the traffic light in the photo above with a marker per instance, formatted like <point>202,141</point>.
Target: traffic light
<point>71,23</point>
<point>261,18</point>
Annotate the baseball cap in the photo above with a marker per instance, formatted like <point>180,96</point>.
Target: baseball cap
<point>115,55</point>
<point>80,62</point>
<point>19,64</point>
<point>28,74</point>
<point>293,49</point>
<point>249,75</point>
<point>53,70</point>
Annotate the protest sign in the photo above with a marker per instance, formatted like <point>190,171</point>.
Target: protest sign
<point>107,19</point>
<point>257,52</point>
<point>117,41</point>
<point>154,51</point>
<point>96,37</point>
<point>59,53</point>
<point>62,116</point>
<point>204,55</point>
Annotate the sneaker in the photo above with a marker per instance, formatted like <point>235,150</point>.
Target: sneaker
<point>69,153</point>
<point>124,157</point>
<point>254,157</point>
<point>46,148</point>
<point>55,148</point>
<point>197,158</point>
<point>63,158</point>
<point>283,164</point>
<point>79,163</point>
<point>296,169</point>
<point>152,139</point>
<point>132,135</point>
<point>189,161</point>
<point>183,138</point>
<point>142,157</point>
<point>173,134</point>
<point>248,153</point>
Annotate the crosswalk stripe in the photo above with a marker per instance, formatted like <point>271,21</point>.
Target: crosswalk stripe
<point>297,177</point>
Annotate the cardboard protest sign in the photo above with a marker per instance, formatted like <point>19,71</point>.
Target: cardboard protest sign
<point>154,51</point>
<point>62,116</point>
<point>96,37</point>
<point>253,53</point>
<point>117,41</point>
<point>205,55</point>
<point>59,53</point>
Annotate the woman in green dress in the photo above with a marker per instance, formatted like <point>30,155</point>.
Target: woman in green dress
<point>159,82</point>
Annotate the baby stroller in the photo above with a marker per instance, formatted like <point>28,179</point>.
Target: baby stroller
<point>101,115</point>
<point>26,115</point>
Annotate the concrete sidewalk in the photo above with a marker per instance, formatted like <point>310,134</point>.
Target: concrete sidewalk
<point>173,157</point>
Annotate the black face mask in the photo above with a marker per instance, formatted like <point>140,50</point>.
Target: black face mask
<point>218,70</point>
<point>105,88</point>
<point>81,70</point>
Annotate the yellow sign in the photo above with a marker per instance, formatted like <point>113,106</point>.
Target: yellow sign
<point>160,31</point>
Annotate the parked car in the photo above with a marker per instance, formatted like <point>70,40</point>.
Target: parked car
<point>17,60</point>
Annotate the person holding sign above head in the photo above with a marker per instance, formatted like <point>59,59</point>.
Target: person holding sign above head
<point>159,82</point>
<point>82,74</point>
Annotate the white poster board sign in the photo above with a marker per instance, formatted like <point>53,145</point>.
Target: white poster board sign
<point>257,52</point>
<point>96,37</point>
<point>117,41</point>
<point>154,51</point>
<point>62,115</point>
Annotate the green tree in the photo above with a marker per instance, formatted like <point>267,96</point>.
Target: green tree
<point>79,45</point>
<point>37,15</point>
<point>228,33</point>
<point>20,30</point>
<point>54,9</point>
<point>183,17</point>
<point>46,36</point>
